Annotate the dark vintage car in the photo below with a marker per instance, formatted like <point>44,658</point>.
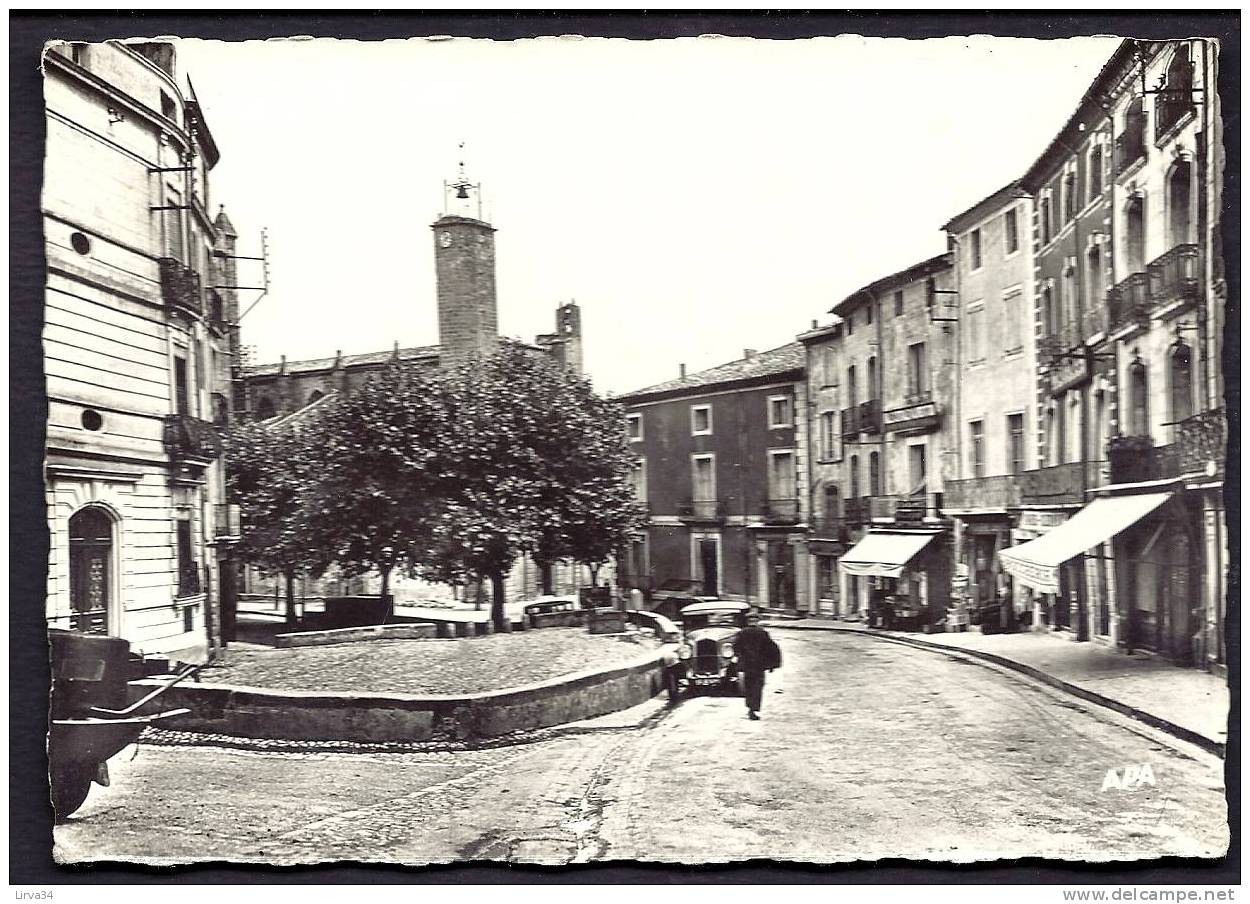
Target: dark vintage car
<point>674,595</point>
<point>548,604</point>
<point>705,656</point>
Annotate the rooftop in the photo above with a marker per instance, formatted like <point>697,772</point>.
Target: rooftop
<point>901,278</point>
<point>774,362</point>
<point>416,353</point>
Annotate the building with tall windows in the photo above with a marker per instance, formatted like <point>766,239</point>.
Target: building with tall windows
<point>138,346</point>
<point>1129,548</point>
<point>721,465</point>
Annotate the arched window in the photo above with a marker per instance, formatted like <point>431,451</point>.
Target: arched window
<point>90,569</point>
<point>1177,97</point>
<point>874,474</point>
<point>851,397</point>
<point>1131,145</point>
<point>1095,172</point>
<point>873,390</point>
<point>1180,205</point>
<point>1135,235</point>
<point>1094,287</point>
<point>1182,377</point>
<point>833,507</point>
<point>855,477</point>
<point>316,395</point>
<point>1139,404</point>
<point>264,409</point>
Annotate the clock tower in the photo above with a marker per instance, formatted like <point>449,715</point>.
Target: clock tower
<point>464,264</point>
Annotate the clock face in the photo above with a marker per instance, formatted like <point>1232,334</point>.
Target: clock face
<point>444,239</point>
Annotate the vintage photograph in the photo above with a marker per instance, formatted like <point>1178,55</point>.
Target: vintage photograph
<point>576,450</point>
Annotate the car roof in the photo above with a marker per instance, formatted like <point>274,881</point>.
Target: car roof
<point>707,606</point>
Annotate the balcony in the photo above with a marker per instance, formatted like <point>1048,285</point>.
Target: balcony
<point>850,423</point>
<point>1128,302</point>
<point>1203,444</point>
<point>180,286</point>
<point>701,510</point>
<point>982,494</point>
<point>1175,275</point>
<point>856,512</point>
<point>1063,484</point>
<point>191,440</point>
<point>870,416</point>
<point>1094,319</point>
<point>781,510</point>
<point>882,507</point>
<point>918,414</point>
<point>227,521</point>
<point>1134,459</point>
<point>833,529</point>
<point>1130,147</point>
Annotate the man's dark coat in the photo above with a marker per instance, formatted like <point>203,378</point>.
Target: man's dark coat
<point>757,652</point>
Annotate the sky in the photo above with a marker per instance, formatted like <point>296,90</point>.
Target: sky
<point>696,196</point>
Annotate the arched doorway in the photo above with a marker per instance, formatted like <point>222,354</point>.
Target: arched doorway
<point>90,569</point>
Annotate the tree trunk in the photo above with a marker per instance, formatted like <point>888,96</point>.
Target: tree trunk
<point>594,574</point>
<point>289,574</point>
<point>497,600</point>
<point>544,571</point>
<point>386,590</point>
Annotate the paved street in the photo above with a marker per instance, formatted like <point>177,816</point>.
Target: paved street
<point>867,749</point>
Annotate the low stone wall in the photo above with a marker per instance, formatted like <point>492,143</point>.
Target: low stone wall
<point>323,716</point>
<point>414,631</point>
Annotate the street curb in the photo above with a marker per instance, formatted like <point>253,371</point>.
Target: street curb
<point>1185,734</point>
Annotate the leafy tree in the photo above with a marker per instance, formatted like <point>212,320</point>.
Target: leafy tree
<point>272,474</point>
<point>382,478</point>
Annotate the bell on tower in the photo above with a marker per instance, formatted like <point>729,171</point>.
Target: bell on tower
<point>464,192</point>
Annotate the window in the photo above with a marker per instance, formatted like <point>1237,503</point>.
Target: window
<point>781,475</point>
<point>850,322</point>
<point>976,439</point>
<point>1061,433</point>
<point>868,314</point>
<point>1131,143</point>
<point>90,569</point>
<point>1139,404</point>
<point>855,477</point>
<point>1135,235</point>
<point>1013,319</point>
<point>916,460</point>
<point>779,412</point>
<point>1093,287</point>
<point>1044,217</point>
<point>917,379</point>
<point>634,426</point>
<point>828,435</point>
<point>1070,202</point>
<point>974,249</point>
<point>873,388</point>
<point>1177,99</point>
<point>1182,382</point>
<point>874,474</point>
<point>182,398</point>
<point>1050,312</point>
<point>1180,205</point>
<point>638,479</point>
<point>833,505</point>
<point>976,334</point>
<point>1069,300</point>
<point>1011,231</point>
<point>1015,442</point>
<point>1095,172</point>
<point>168,108</point>
<point>172,219</point>
<point>188,570</point>
<point>701,420</point>
<point>898,303</point>
<point>830,361</point>
<point>827,577</point>
<point>852,391</point>
<point>703,477</point>
<point>265,409</point>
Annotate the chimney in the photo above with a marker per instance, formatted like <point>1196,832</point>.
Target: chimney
<point>683,370</point>
<point>749,353</point>
<point>815,325</point>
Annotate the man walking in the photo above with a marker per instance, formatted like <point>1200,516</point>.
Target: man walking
<point>757,653</point>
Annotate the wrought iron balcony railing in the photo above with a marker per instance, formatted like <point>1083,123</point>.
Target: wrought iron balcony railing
<point>1203,443</point>
<point>1134,459</point>
<point>1128,302</point>
<point>1176,274</point>
<point>701,510</point>
<point>855,512</point>
<point>781,510</point>
<point>1063,484</point>
<point>882,507</point>
<point>850,423</point>
<point>189,439</point>
<point>830,529</point>
<point>180,286</point>
<point>870,416</point>
<point>1170,108</point>
<point>995,493</point>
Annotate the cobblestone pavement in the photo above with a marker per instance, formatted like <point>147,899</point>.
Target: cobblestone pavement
<point>865,750</point>
<point>467,665</point>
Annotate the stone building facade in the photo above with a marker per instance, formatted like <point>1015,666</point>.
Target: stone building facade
<point>722,468</point>
<point>138,346</point>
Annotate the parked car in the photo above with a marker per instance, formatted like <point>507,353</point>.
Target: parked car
<point>705,656</point>
<point>551,604</point>
<point>675,594</point>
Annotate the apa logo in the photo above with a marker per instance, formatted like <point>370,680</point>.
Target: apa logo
<point>1132,777</point>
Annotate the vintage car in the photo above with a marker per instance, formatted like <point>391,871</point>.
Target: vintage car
<point>705,656</point>
<point>674,595</point>
<point>547,604</point>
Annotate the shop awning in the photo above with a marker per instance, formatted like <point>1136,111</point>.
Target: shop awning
<point>1037,562</point>
<point>884,554</point>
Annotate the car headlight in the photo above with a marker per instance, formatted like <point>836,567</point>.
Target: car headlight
<point>684,652</point>
<point>727,651</point>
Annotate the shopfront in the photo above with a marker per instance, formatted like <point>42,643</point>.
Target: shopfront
<point>907,576</point>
